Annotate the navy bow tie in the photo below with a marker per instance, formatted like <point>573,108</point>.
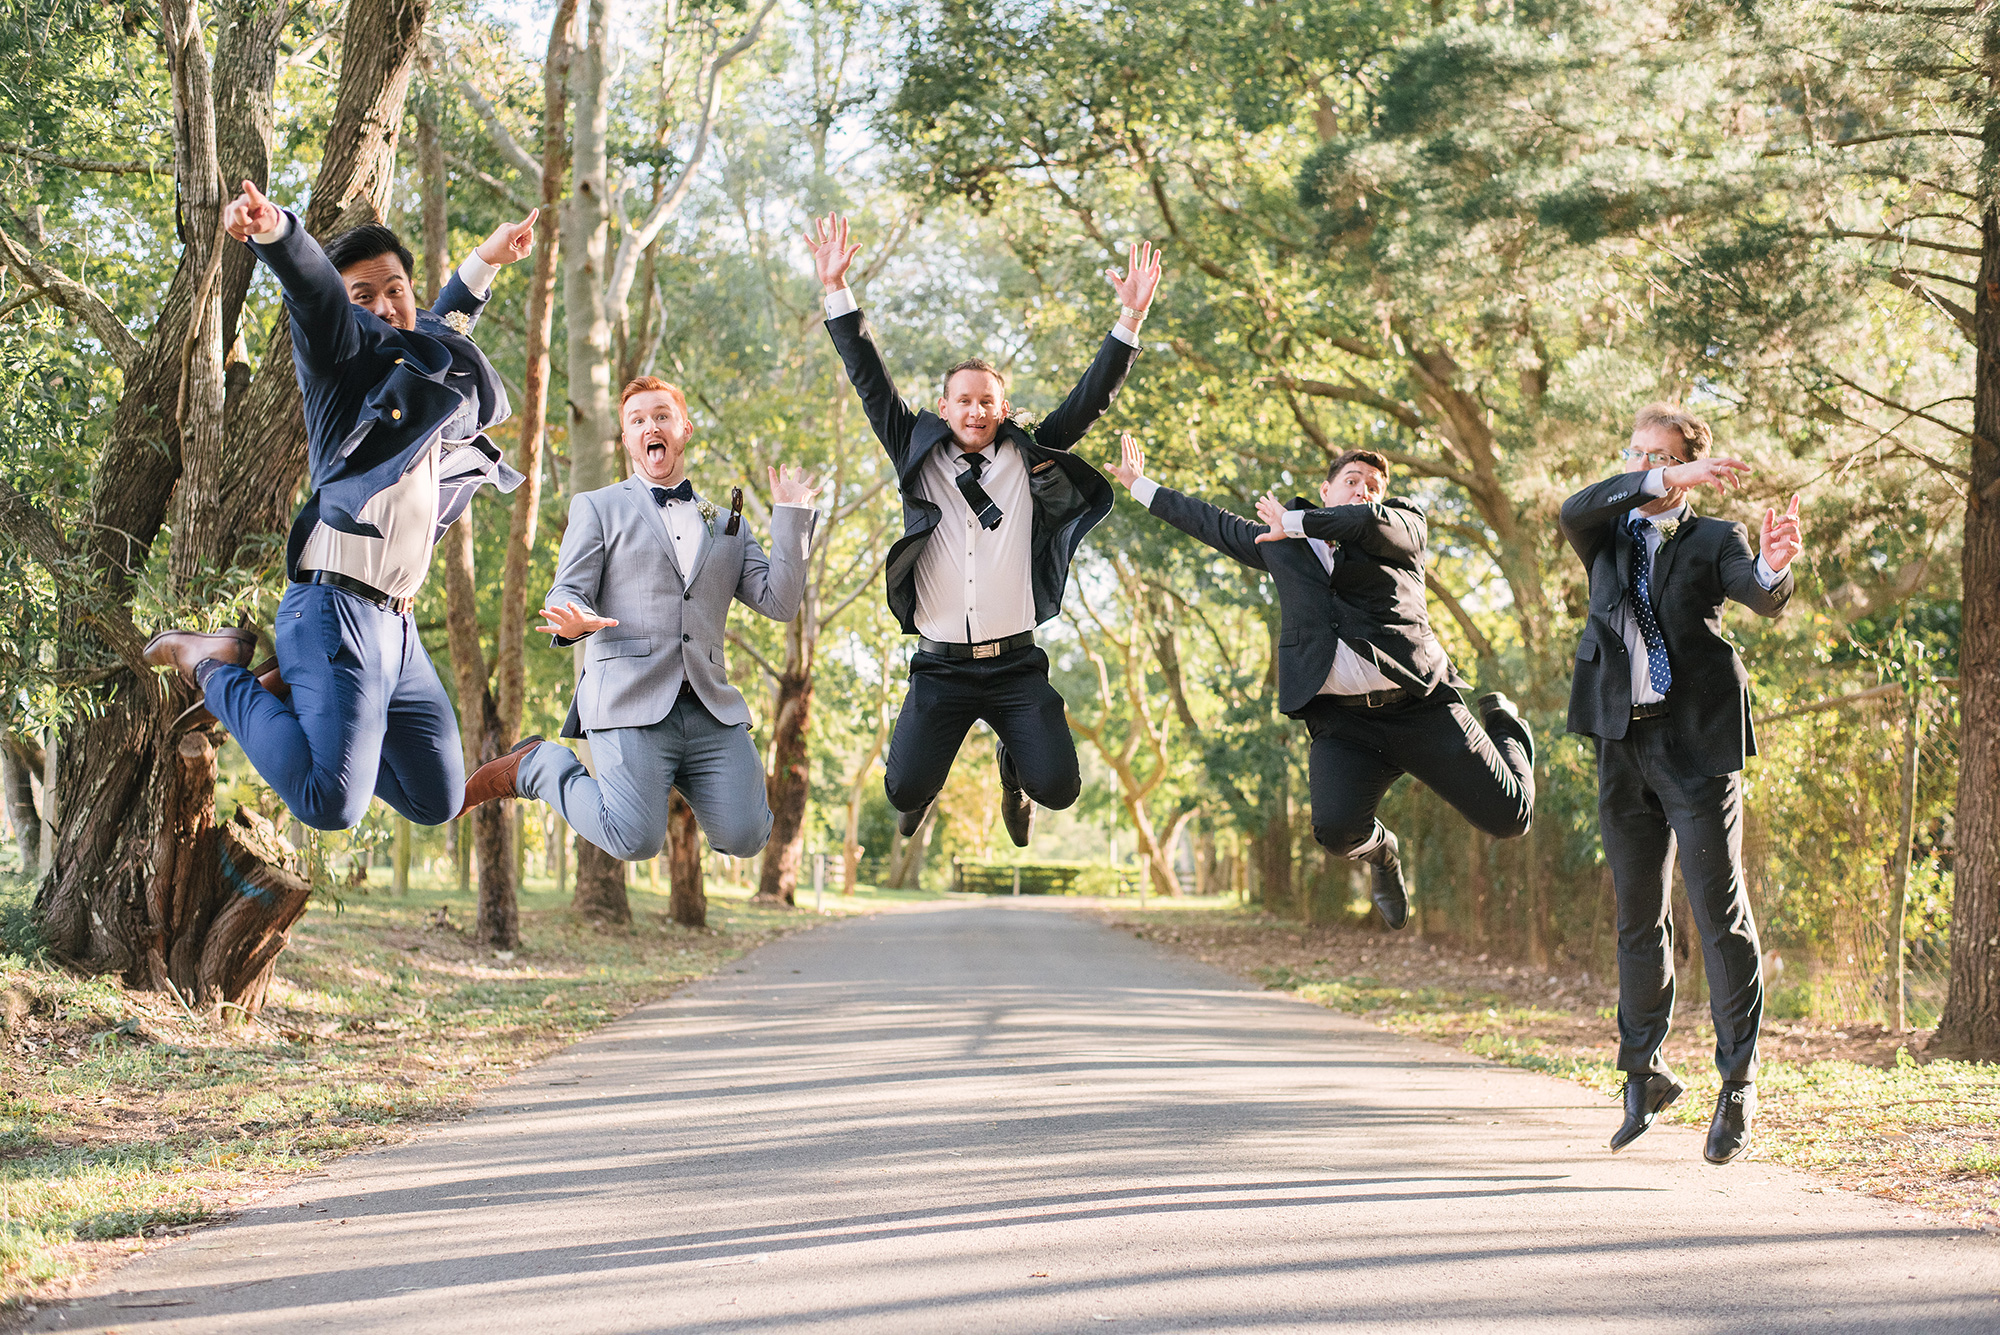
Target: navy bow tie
<point>684,492</point>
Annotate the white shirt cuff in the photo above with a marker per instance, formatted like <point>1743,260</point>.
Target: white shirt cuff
<point>841,303</point>
<point>276,233</point>
<point>1124,335</point>
<point>1144,489</point>
<point>1295,523</point>
<point>477,275</point>
<point>1653,484</point>
<point>1766,576</point>
<point>795,505</point>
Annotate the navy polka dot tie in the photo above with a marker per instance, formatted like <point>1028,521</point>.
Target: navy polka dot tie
<point>1657,669</point>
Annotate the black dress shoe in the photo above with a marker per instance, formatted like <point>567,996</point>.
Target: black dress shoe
<point>908,821</point>
<point>1017,809</point>
<point>1500,718</point>
<point>1392,900</point>
<point>1729,1133</point>
<point>1646,1097</point>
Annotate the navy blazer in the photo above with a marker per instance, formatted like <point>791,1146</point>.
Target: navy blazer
<point>1070,497</point>
<point>1706,563</point>
<point>1373,599</point>
<point>375,395</point>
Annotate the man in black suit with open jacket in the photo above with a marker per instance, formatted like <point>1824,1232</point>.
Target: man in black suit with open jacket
<point>1359,663</point>
<point>1668,701</point>
<point>993,513</point>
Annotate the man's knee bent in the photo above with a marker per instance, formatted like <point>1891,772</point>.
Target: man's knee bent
<point>742,837</point>
<point>904,796</point>
<point>1512,827</point>
<point>330,815</point>
<point>435,808</point>
<point>1344,841</point>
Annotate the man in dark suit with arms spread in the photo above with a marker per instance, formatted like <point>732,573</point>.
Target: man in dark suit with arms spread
<point>993,512</point>
<point>1668,701</point>
<point>1359,663</point>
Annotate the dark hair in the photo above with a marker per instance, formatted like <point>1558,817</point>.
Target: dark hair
<point>1694,432</point>
<point>1346,457</point>
<point>358,244</point>
<point>976,364</point>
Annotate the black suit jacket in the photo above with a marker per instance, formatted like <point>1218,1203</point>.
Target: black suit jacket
<point>374,394</point>
<point>1070,496</point>
<point>1706,563</point>
<point>1374,599</point>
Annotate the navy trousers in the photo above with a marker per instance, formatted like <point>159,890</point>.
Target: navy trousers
<point>367,717</point>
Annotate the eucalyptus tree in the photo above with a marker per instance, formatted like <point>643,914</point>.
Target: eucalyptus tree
<point>194,462</point>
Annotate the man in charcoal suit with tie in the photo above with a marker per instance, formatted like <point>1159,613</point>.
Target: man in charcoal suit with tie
<point>1359,664</point>
<point>993,513</point>
<point>646,576</point>
<point>1668,701</point>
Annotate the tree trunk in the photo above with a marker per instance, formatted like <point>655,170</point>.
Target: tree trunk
<point>600,885</point>
<point>1970,1025</point>
<point>1274,857</point>
<point>138,859</point>
<point>586,228</point>
<point>492,832</point>
<point>790,782</point>
<point>686,902</point>
<point>17,780</point>
<point>906,864</point>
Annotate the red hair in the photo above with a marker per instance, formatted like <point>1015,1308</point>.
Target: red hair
<point>651,382</point>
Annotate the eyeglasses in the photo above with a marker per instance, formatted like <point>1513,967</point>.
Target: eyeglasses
<point>1653,458</point>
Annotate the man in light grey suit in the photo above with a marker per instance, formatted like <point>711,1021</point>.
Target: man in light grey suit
<point>646,576</point>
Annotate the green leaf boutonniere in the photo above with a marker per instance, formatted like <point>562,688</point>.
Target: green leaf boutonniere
<point>706,511</point>
<point>1668,529</point>
<point>459,323</point>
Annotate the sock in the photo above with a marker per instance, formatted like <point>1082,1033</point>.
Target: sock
<point>203,671</point>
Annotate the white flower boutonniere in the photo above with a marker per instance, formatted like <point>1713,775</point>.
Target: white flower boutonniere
<point>706,511</point>
<point>459,323</point>
<point>1668,529</point>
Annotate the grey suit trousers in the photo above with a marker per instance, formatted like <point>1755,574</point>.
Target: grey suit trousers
<point>624,809</point>
<point>1652,796</point>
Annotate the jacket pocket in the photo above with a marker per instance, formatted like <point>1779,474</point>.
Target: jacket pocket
<point>715,655</point>
<point>631,646</point>
<point>1586,650</point>
<point>1288,638</point>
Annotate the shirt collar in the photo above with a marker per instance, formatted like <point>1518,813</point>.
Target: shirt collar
<point>1673,516</point>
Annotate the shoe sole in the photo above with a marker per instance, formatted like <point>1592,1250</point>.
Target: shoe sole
<point>1732,1158</point>
<point>1672,1099</point>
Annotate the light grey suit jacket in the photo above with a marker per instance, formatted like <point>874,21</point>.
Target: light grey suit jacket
<point>618,561</point>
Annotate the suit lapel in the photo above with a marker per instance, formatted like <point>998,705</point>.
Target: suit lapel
<point>1621,549</point>
<point>1663,564</point>
<point>707,546</point>
<point>641,498</point>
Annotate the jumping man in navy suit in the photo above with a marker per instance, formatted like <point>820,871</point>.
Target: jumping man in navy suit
<point>397,403</point>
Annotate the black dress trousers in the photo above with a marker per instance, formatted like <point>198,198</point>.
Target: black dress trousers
<point>1011,692</point>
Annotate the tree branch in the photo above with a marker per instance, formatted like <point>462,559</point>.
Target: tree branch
<point>75,297</point>
<point>1944,246</point>
<point>491,182</point>
<point>517,157</point>
<point>86,164</point>
<point>26,523</point>
<point>1350,394</point>
<point>1906,279</point>
<point>755,657</point>
<point>1480,644</point>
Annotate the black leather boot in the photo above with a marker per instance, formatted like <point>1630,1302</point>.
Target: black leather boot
<point>1392,901</point>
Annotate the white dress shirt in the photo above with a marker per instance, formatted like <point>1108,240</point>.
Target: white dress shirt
<point>687,529</point>
<point>974,584</point>
<point>1635,641</point>
<point>406,510</point>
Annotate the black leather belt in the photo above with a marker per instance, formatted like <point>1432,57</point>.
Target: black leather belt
<point>1372,700</point>
<point>359,588</point>
<point>985,649</point>
<point>1658,709</point>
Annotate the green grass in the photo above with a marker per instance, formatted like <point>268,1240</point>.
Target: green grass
<point>123,1117</point>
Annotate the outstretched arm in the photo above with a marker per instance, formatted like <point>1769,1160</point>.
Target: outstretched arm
<point>1587,517</point>
<point>570,607</point>
<point>890,417</point>
<point>470,285</point>
<point>1764,584</point>
<point>775,585</point>
<point>324,330</point>
<point>1093,394</point>
<point>1226,533</point>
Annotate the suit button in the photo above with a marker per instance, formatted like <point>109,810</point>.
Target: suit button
<point>686,638</point>
<point>688,596</point>
<point>396,414</point>
<point>399,361</point>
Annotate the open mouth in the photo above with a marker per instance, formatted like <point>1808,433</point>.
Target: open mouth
<point>656,448</point>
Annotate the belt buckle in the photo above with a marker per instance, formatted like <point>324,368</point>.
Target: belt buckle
<point>990,649</point>
<point>1370,702</point>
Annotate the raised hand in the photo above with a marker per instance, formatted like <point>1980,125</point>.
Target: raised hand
<point>571,622</point>
<point>1722,474</point>
<point>831,252</point>
<point>510,241</point>
<point>1782,540</point>
<point>794,486</point>
<point>249,214</point>
<point>1131,465</point>
<point>1135,287</point>
<point>1272,511</point>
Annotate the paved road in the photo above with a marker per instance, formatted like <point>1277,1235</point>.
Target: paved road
<point>1008,1118</point>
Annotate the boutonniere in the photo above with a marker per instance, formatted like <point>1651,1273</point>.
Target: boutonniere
<point>707,511</point>
<point>1668,528</point>
<point>459,323</point>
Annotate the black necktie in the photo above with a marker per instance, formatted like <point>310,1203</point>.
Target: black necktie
<point>975,495</point>
<point>684,492</point>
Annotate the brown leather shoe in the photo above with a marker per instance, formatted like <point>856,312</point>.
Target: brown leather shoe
<point>495,779</point>
<point>184,650</point>
<point>196,715</point>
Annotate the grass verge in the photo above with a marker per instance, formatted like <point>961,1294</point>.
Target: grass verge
<point>125,1120</point>
<point>1853,1103</point>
